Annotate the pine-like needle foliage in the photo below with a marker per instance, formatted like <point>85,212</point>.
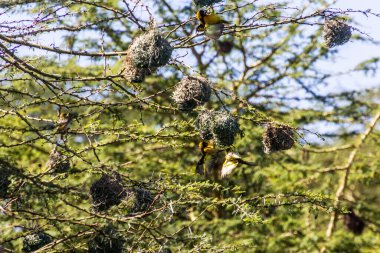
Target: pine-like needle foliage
<point>103,105</point>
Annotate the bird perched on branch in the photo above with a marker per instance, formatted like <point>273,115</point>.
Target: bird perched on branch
<point>217,163</point>
<point>207,19</point>
<point>64,121</point>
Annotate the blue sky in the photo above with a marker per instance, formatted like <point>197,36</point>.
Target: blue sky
<point>353,53</point>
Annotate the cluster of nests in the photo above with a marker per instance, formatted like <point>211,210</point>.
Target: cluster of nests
<point>110,190</point>
<point>106,192</point>
<point>151,50</point>
<point>109,240</point>
<point>147,53</point>
<point>222,127</point>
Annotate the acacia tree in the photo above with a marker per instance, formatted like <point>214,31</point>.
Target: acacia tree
<point>103,104</point>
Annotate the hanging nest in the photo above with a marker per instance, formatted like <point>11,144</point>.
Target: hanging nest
<point>150,50</point>
<point>277,138</point>
<point>203,124</point>
<point>202,3</point>
<point>35,241</point>
<point>134,74</point>
<point>137,200</point>
<point>107,192</point>
<point>106,241</point>
<point>354,223</point>
<point>214,31</point>
<point>222,127</point>
<point>224,47</point>
<point>5,173</point>
<point>58,163</point>
<point>191,92</point>
<point>336,32</point>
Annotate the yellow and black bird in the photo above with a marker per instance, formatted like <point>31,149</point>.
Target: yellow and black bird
<point>64,121</point>
<point>207,18</point>
<point>217,163</point>
<point>211,24</point>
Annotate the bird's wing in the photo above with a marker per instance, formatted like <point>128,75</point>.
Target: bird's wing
<point>200,169</point>
<point>230,163</point>
<point>246,163</point>
<point>200,28</point>
<point>213,19</point>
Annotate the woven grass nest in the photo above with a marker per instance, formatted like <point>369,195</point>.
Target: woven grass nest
<point>224,47</point>
<point>134,74</point>
<point>202,3</point>
<point>354,223</point>
<point>110,190</point>
<point>107,192</point>
<point>277,137</point>
<point>146,53</point>
<point>336,32</point>
<point>35,241</point>
<point>107,240</point>
<point>137,200</point>
<point>191,91</point>
<point>222,127</point>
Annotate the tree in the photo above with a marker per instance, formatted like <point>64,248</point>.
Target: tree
<point>104,103</point>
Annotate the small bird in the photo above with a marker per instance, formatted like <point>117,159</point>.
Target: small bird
<point>211,161</point>
<point>208,19</point>
<point>57,162</point>
<point>64,121</point>
<point>217,163</point>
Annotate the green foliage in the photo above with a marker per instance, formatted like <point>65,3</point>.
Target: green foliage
<point>121,175</point>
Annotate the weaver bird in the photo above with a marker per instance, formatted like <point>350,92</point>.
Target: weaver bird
<point>217,163</point>
<point>64,121</point>
<point>208,19</point>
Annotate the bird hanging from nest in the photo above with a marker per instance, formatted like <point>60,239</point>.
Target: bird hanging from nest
<point>217,163</point>
<point>212,24</point>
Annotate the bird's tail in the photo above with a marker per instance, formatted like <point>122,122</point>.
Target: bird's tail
<point>200,169</point>
<point>246,163</point>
